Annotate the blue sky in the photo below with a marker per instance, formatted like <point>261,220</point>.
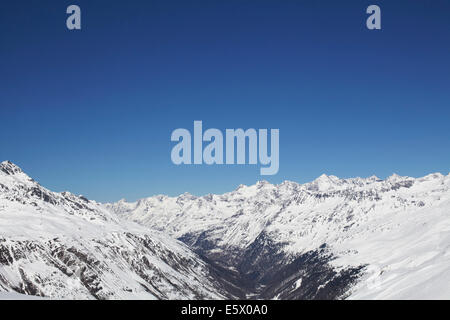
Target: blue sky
<point>92,111</point>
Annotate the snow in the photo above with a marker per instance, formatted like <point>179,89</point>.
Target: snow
<point>66,247</point>
<point>398,227</point>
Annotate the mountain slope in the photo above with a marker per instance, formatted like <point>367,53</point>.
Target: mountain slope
<point>329,239</point>
<point>60,245</point>
<point>371,238</point>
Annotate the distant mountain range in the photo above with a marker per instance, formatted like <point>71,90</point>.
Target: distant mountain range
<point>360,238</point>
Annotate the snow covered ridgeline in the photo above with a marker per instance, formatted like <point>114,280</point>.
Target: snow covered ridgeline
<point>393,235</point>
<point>63,246</point>
<point>328,239</point>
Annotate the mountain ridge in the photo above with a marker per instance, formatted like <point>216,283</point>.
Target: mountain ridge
<point>330,238</point>
<point>298,219</point>
<point>63,246</point>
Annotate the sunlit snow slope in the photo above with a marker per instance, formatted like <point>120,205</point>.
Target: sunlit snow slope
<point>64,246</point>
<point>360,238</point>
<point>394,232</point>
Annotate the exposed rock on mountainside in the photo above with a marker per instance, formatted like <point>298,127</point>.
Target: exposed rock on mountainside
<point>383,238</point>
<point>60,245</point>
<point>329,239</point>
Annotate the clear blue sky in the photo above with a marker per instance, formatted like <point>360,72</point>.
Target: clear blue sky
<point>92,111</point>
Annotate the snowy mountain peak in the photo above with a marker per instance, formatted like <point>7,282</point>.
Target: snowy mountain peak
<point>323,176</point>
<point>373,178</point>
<point>383,226</point>
<point>11,175</point>
<point>9,168</point>
<point>184,196</point>
<point>275,239</point>
<point>396,178</point>
<point>433,176</point>
<point>324,183</point>
<point>241,186</point>
<point>65,246</point>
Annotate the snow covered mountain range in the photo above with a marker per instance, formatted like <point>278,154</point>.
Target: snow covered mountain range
<point>64,246</point>
<point>361,238</point>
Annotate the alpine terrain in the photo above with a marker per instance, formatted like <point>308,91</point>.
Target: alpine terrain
<point>329,239</point>
<point>359,238</point>
<point>63,246</point>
